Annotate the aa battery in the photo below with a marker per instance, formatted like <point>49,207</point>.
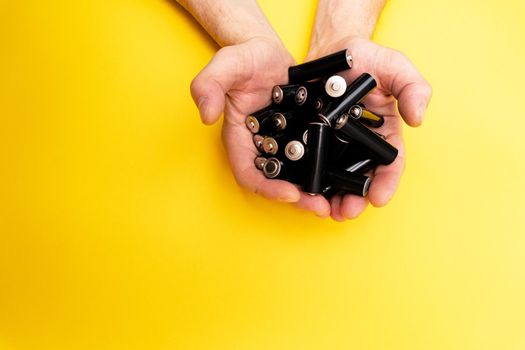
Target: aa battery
<point>344,152</point>
<point>380,150</point>
<point>366,117</point>
<point>349,182</point>
<point>338,149</point>
<point>354,93</point>
<point>285,121</point>
<point>259,122</point>
<point>330,191</point>
<point>316,157</point>
<point>321,67</point>
<point>276,168</point>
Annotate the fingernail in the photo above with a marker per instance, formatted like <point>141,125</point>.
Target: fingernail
<point>202,104</point>
<point>323,215</point>
<point>289,198</point>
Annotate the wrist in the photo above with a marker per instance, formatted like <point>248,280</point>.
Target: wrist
<point>231,22</point>
<point>333,44</point>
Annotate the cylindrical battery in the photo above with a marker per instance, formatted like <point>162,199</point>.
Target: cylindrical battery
<point>338,149</point>
<point>344,152</point>
<point>259,122</point>
<point>281,121</point>
<point>354,93</point>
<point>380,150</point>
<point>330,191</point>
<point>316,157</point>
<point>366,117</point>
<point>349,182</point>
<point>320,67</point>
<point>275,168</point>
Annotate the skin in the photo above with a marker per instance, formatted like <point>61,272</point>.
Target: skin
<point>402,92</point>
<point>239,78</point>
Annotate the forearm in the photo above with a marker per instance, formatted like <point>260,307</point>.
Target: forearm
<point>231,22</point>
<point>339,19</point>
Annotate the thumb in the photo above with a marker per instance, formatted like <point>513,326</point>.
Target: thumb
<point>407,85</point>
<point>210,86</point>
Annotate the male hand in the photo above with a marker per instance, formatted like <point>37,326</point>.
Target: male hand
<point>398,80</point>
<point>239,80</point>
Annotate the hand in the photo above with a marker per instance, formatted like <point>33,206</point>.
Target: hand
<point>397,79</point>
<point>239,80</point>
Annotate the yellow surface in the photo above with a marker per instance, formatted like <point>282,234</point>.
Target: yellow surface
<point>121,226</point>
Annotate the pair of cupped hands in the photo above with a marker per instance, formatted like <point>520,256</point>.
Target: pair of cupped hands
<point>239,79</point>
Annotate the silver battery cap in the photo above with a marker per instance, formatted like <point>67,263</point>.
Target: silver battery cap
<point>277,94</point>
<point>279,121</point>
<point>335,86</point>
<point>294,150</point>
<point>270,145</point>
<point>272,168</point>
<point>258,142</point>
<point>260,162</point>
<point>301,95</point>
<point>305,136</point>
<point>252,124</point>
<point>356,111</point>
<point>366,186</point>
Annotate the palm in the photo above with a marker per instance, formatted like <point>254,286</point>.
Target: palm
<point>396,78</point>
<point>258,67</point>
<point>238,82</point>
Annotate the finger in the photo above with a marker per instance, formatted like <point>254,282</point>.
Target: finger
<point>210,86</point>
<point>241,153</point>
<point>335,203</point>
<point>352,206</point>
<point>400,77</point>
<point>387,177</point>
<point>318,204</point>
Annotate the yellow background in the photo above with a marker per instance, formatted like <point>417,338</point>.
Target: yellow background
<point>121,226</point>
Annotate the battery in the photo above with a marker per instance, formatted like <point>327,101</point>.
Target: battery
<point>380,149</point>
<point>316,157</point>
<point>349,182</point>
<point>366,117</point>
<point>321,67</point>
<point>259,122</point>
<point>344,152</point>
<point>354,93</point>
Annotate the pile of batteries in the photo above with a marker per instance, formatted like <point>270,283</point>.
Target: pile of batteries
<point>316,134</point>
